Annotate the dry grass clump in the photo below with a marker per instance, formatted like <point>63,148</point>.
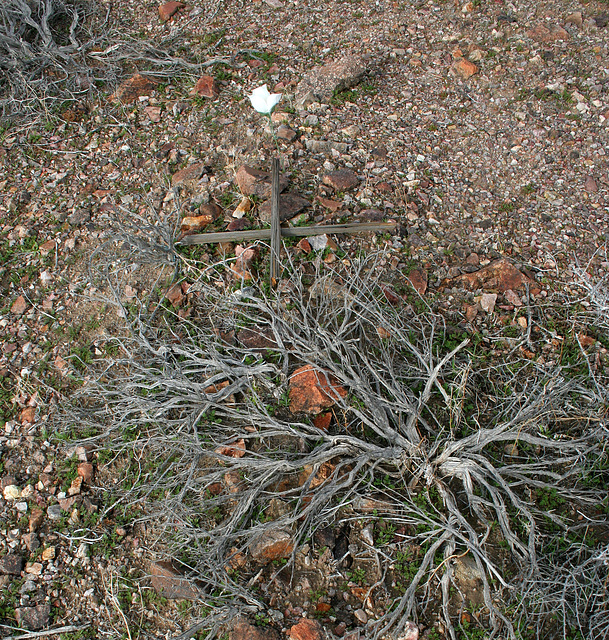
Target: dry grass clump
<point>461,455</point>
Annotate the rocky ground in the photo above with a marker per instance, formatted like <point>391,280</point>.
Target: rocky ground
<point>481,129</point>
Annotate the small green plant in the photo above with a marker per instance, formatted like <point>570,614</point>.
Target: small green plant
<point>357,575</point>
<point>340,97</point>
<point>528,189</point>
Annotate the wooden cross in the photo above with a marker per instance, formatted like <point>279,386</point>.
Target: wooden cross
<point>276,232</point>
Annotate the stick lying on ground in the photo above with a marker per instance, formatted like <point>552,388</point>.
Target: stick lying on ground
<point>289,232</point>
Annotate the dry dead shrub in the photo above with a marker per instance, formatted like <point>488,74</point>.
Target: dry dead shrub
<point>460,454</point>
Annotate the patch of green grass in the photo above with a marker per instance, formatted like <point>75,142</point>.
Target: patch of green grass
<point>213,37</point>
<point>507,207</point>
<point>357,575</point>
<point>528,189</point>
<point>90,633</point>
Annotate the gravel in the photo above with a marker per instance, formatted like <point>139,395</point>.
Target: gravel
<point>508,163</point>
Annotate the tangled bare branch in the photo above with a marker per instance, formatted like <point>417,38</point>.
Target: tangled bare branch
<point>456,456</point>
<point>54,52</point>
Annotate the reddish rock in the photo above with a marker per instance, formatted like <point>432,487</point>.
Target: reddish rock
<point>385,187</point>
<point>19,306</point>
<point>341,180</point>
<point>194,224</point>
<point>233,450</point>
<point>473,259</point>
<point>372,505</point>
<point>273,544</point>
<point>242,629</point>
<point>86,471</point>
<point>306,629</point>
<point>383,333</point>
<point>313,390</point>
<point>233,481</point>
<point>174,295</point>
<point>190,173</point>
<point>410,632</point>
<point>66,503</point>
<point>244,262</point>
<point>238,224</point>
<point>290,205</point>
<point>332,205</point>
<point>418,280</point>
<point>304,245</point>
<point>498,276</point>
<point>31,541</point>
<point>513,298</point>
<point>243,208</point>
<point>390,295</point>
<point>236,559</point>
<point>285,133</point>
<point>47,247</point>
<point>169,9</point>
<point>464,68</point>
<point>130,90</point>
<point>254,182</point>
<point>75,486</point>
<point>28,415</point>
<point>543,34</point>
<point>36,519</point>
<point>167,582</point>
<point>575,18</point>
<point>322,421</point>
<point>487,302</point>
<point>590,185</point>
<point>206,87</point>
<point>371,215</point>
<point>586,341</point>
<point>313,477</point>
<point>208,213</point>
<point>154,113</point>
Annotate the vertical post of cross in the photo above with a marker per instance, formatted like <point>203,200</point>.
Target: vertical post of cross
<point>275,224</point>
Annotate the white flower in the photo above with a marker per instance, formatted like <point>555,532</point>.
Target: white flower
<point>262,100</point>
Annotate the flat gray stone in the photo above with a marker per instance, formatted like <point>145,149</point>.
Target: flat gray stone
<point>54,512</point>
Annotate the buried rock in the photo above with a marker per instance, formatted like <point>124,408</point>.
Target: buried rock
<point>272,544</point>
<point>167,582</point>
<point>242,629</point>
<point>499,276</point>
<point>321,82</point>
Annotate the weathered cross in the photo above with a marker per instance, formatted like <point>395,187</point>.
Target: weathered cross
<point>276,232</point>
